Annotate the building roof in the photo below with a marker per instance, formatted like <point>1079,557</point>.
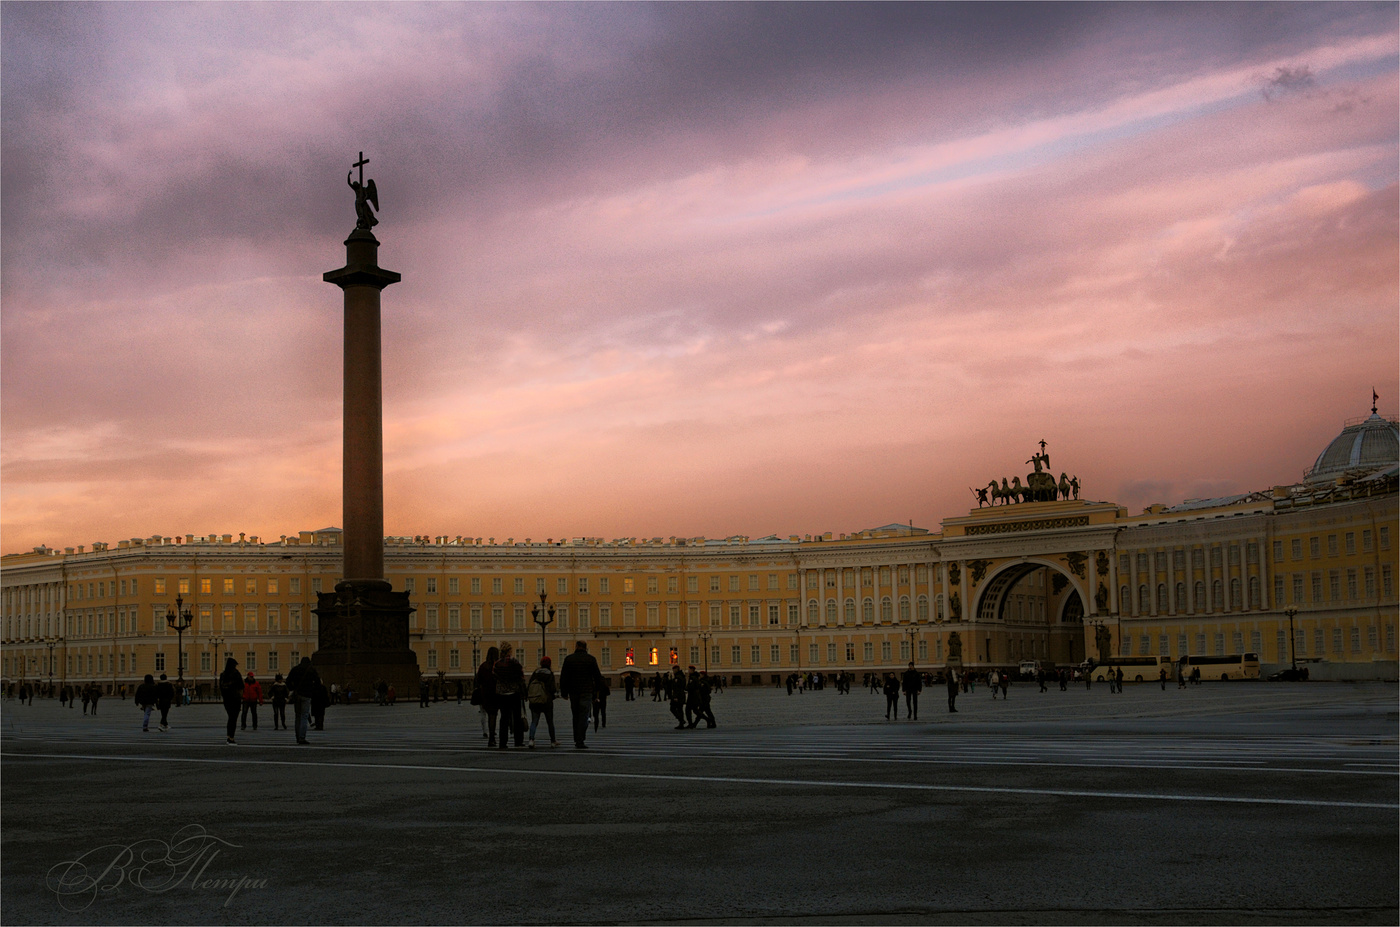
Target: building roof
<point>1370,444</point>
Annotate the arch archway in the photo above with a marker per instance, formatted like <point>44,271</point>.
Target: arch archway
<point>1031,608</point>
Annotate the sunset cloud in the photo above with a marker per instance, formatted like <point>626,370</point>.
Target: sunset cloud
<point>686,269</point>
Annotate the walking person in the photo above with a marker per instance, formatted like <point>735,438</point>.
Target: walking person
<point>952,683</point>
<point>303,681</point>
<point>97,690</point>
<point>676,684</point>
<point>484,694</point>
<point>252,698</point>
<point>1005,684</point>
<point>279,703</point>
<point>913,684</point>
<point>145,699</point>
<point>706,690</point>
<point>992,683</point>
<point>165,697</point>
<point>231,692</point>
<point>510,696</point>
<point>1118,680</point>
<point>1162,675</point>
<point>319,700</point>
<point>541,692</point>
<point>600,704</point>
<point>891,697</point>
<point>578,678</point>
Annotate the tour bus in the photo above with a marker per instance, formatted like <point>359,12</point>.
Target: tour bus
<point>1138,669</point>
<point>1235,666</point>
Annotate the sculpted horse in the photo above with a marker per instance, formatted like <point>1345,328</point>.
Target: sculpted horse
<point>1064,486</point>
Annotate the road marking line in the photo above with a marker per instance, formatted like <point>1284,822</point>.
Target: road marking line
<point>730,780</point>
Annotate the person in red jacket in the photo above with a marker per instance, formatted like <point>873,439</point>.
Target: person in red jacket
<point>252,698</point>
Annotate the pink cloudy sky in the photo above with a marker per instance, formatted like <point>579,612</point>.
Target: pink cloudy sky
<point>686,269</point>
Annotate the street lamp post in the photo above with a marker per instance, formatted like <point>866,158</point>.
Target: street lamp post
<point>217,643</point>
<point>51,642</point>
<point>543,614</point>
<point>475,638</point>
<point>1292,613</point>
<point>705,643</point>
<point>179,620</point>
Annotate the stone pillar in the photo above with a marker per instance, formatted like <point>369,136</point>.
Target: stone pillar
<point>363,624</point>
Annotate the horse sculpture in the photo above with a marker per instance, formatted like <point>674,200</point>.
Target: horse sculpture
<point>1064,486</point>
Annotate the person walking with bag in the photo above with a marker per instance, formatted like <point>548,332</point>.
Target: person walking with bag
<point>279,703</point>
<point>165,697</point>
<point>578,678</point>
<point>304,682</point>
<point>145,699</point>
<point>510,692</point>
<point>231,691</point>
<point>484,694</point>
<point>541,692</point>
<point>252,698</point>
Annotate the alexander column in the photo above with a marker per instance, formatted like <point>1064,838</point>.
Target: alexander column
<point>363,624</point>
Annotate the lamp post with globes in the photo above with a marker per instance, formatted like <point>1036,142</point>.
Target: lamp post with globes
<point>216,644</point>
<point>179,620</point>
<point>51,642</point>
<point>705,643</point>
<point>474,638</point>
<point>543,614</point>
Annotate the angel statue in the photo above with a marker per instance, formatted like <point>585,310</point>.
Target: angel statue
<point>365,196</point>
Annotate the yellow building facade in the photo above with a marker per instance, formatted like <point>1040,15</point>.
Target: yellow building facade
<point>1000,585</point>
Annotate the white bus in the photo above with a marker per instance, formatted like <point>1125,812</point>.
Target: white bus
<point>1235,666</point>
<point>1135,669</point>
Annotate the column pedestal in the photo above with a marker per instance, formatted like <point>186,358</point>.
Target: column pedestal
<point>363,637</point>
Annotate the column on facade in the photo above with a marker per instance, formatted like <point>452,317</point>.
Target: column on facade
<point>840,596</point>
<point>1133,582</point>
<point>1265,579</point>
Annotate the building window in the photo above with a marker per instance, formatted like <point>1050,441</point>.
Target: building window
<point>831,653</point>
<point>733,584</point>
<point>1355,639</point>
<point>1316,586</point>
<point>886,610</point>
<point>774,613</point>
<point>1254,600</point>
<point>1334,584</point>
<point>1237,641</point>
<point>432,658</point>
<point>868,651</point>
<point>1319,642</point>
<point>606,655</point>
<point>1336,640</point>
<point>1351,584</point>
<point>1315,548</point>
<point>1296,548</point>
<point>1219,643</point>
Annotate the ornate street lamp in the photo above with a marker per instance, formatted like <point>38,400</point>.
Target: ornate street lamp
<point>217,645</point>
<point>475,639</point>
<point>705,643</point>
<point>179,620</point>
<point>51,642</point>
<point>543,615</point>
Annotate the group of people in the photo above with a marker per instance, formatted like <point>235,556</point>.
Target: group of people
<point>502,693</point>
<point>689,697</point>
<point>242,695</point>
<point>911,683</point>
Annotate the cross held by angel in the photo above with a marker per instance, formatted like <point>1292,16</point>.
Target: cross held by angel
<point>365,195</point>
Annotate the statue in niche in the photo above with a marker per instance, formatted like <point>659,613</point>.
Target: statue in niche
<point>955,606</point>
<point>1103,640</point>
<point>1076,563</point>
<point>1101,597</point>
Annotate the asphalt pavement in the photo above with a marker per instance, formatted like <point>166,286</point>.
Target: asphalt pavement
<point>1237,802</point>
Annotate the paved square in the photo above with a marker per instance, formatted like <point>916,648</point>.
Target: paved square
<point>1227,802</point>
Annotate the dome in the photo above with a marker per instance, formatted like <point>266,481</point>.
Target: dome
<point>1372,443</point>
